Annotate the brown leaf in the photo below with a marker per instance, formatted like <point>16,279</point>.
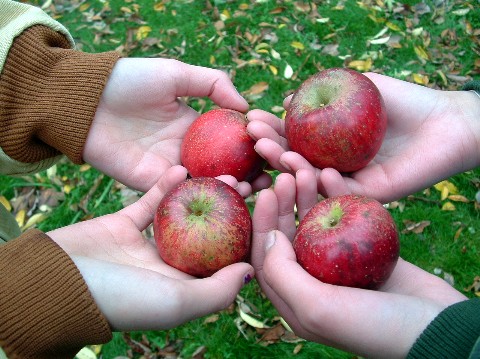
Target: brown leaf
<point>415,227</point>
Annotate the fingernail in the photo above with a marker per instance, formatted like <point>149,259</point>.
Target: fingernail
<point>247,279</point>
<point>255,148</point>
<point>270,241</point>
<point>287,167</point>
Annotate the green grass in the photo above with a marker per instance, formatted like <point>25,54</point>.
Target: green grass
<point>256,41</point>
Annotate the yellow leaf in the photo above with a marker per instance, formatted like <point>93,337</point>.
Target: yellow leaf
<point>243,6</point>
<point>273,69</point>
<point>451,188</point>
<point>143,32</point>
<point>392,26</point>
<point>96,348</point>
<point>86,353</point>
<point>420,79</point>
<point>253,322</point>
<point>84,6</point>
<point>85,167</point>
<point>5,203</point>
<point>448,206</point>
<point>361,65</point>
<point>33,220</point>
<point>225,15</point>
<point>20,218</point>
<point>421,52</point>
<point>212,59</point>
<point>159,6</point>
<point>444,193</point>
<point>126,9</point>
<point>297,45</point>
<point>67,189</point>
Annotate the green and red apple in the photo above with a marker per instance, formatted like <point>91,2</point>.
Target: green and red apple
<point>348,240</point>
<point>201,226</point>
<point>337,119</point>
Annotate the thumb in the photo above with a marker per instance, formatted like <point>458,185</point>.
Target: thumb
<point>215,293</point>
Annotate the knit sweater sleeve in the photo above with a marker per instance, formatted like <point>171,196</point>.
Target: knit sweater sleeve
<point>451,335</point>
<point>49,93</point>
<point>46,309</point>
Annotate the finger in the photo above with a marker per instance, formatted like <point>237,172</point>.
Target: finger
<point>200,81</point>
<point>285,191</point>
<point>307,196</point>
<point>268,118</point>
<point>142,212</point>
<point>215,293</point>
<point>287,101</point>
<point>333,183</point>
<point>243,188</point>
<point>262,182</point>
<point>267,276</point>
<point>259,129</point>
<point>271,151</point>
<point>294,161</point>
<point>264,220</point>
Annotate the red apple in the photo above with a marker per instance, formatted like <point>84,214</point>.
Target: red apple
<point>201,226</point>
<point>348,240</point>
<point>217,143</point>
<point>336,119</point>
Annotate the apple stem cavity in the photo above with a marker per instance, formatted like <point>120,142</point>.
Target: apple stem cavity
<point>333,217</point>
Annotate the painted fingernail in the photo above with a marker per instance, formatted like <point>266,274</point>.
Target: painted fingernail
<point>247,279</point>
<point>270,240</point>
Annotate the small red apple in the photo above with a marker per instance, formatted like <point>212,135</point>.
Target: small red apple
<point>201,226</point>
<point>336,118</point>
<point>348,240</point>
<point>217,143</point>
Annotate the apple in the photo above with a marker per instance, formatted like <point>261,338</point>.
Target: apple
<point>217,143</point>
<point>348,240</point>
<point>336,118</point>
<point>201,226</point>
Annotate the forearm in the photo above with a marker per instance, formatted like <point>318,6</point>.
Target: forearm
<point>49,93</point>
<point>46,309</point>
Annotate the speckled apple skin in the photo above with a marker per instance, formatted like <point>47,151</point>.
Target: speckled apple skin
<point>344,133</point>
<point>202,246</point>
<point>217,143</point>
<point>361,250</point>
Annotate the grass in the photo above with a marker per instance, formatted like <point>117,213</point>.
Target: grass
<point>258,42</point>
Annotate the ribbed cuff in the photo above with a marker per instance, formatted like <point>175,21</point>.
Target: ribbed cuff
<point>472,86</point>
<point>46,309</point>
<point>451,335</point>
<point>48,96</point>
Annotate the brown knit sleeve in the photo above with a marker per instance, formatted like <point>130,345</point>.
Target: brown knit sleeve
<point>46,309</point>
<point>48,95</point>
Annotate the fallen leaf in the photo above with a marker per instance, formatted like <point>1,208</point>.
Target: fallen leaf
<point>253,322</point>
<point>448,206</point>
<point>415,227</point>
<point>288,73</point>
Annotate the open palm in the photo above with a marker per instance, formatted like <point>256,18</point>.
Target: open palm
<point>140,121</point>
<point>431,135</point>
<point>376,324</point>
<point>130,283</point>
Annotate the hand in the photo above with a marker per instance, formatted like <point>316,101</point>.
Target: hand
<point>376,324</point>
<point>140,121</point>
<point>431,136</point>
<point>131,285</point>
